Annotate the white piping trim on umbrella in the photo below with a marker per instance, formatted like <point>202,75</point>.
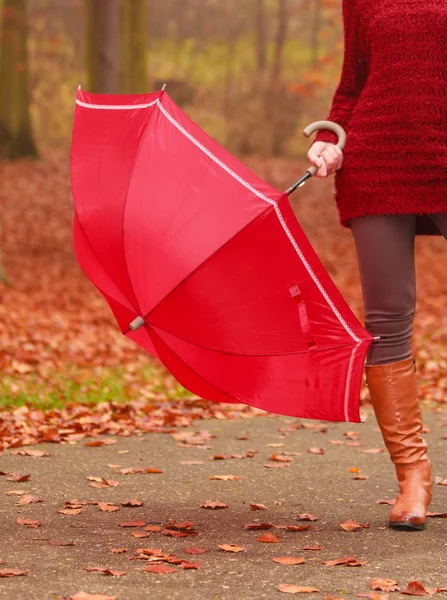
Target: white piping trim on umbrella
<point>281,219</point>
<point>115,106</point>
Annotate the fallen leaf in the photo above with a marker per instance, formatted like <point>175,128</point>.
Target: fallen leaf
<point>12,572</point>
<point>269,538</point>
<point>348,561</point>
<point>306,517</point>
<point>280,458</point>
<point>291,588</point>
<point>118,550</point>
<point>361,477</point>
<point>107,507</point>
<point>132,503</point>
<point>159,569</point>
<point>185,564</point>
<point>354,470</point>
<point>152,470</point>
<point>18,477</point>
<point>384,585</point>
<point>231,548</point>
<point>28,522</point>
<point>313,548</point>
<point>316,451</point>
<point>294,527</point>
<point>87,596</point>
<point>153,528</point>
<point>30,452</point>
<point>129,470</point>
<point>351,525</point>
<point>386,501</point>
<point>276,465</point>
<point>133,524</point>
<point>101,442</point>
<point>56,543</point>
<point>437,515</point>
<point>257,526</point>
<point>29,499</point>
<point>372,450</point>
<point>139,534</point>
<point>16,493</point>
<point>224,477</point>
<point>289,560</point>
<point>105,571</point>
<point>213,504</point>
<point>254,506</point>
<point>191,462</point>
<point>70,511</point>
<point>415,588</point>
<point>440,481</point>
<point>195,550</point>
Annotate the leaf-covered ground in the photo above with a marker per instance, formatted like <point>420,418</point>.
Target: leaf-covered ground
<point>167,503</point>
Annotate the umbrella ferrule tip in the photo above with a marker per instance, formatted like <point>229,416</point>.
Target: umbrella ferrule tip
<point>137,323</point>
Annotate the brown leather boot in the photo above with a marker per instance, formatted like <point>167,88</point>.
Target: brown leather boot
<point>394,397</point>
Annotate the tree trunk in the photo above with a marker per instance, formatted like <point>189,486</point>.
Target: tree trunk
<point>261,37</point>
<point>16,138</point>
<point>133,35</point>
<point>103,46</point>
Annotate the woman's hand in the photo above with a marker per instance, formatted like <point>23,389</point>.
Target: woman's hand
<point>328,157</point>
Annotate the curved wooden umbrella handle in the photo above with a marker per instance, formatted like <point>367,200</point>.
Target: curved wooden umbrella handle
<point>316,126</point>
<point>308,131</point>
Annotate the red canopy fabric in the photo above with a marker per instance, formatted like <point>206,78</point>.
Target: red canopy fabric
<point>230,295</point>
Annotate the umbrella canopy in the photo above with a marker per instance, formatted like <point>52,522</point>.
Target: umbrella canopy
<point>204,264</point>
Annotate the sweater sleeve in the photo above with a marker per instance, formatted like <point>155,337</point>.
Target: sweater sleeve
<point>353,75</point>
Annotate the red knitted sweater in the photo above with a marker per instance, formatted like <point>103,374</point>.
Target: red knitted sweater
<point>392,101</point>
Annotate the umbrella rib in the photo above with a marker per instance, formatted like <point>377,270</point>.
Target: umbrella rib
<point>104,269</point>
<point>230,353</point>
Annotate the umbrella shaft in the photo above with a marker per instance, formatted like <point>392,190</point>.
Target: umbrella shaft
<point>299,183</point>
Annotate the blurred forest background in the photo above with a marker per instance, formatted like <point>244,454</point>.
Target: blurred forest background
<point>253,74</point>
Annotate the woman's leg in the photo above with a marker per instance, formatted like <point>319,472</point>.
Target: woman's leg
<point>385,251</point>
<point>440,220</point>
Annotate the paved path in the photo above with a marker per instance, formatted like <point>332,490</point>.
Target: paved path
<point>312,483</point>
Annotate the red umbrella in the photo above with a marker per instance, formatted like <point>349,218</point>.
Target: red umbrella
<point>204,264</point>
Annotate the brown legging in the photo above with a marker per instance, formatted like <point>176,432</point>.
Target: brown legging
<point>385,252</point>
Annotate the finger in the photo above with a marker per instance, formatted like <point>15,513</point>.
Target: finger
<point>322,171</point>
<point>329,158</point>
<point>313,157</point>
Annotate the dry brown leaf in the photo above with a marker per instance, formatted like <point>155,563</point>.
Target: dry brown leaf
<point>351,525</point>
<point>257,526</point>
<point>437,515</point>
<point>348,561</point>
<point>70,511</point>
<point>213,504</point>
<point>254,506</point>
<point>289,560</point>
<point>58,543</point>
<point>316,450</point>
<point>280,458</point>
<point>361,477</point>
<point>107,507</point>
<point>118,550</point>
<point>30,452</point>
<point>28,522</point>
<point>313,548</point>
<point>132,503</point>
<point>152,470</point>
<point>291,588</point>
<point>372,451</point>
<point>159,569</point>
<point>87,596</point>
<point>133,524</point>
<point>231,548</point>
<point>101,442</point>
<point>224,477</point>
<point>386,501</point>
<point>12,572</point>
<point>186,564</point>
<point>306,517</point>
<point>17,477</point>
<point>384,585</point>
<point>415,588</point>
<point>153,528</point>
<point>104,571</point>
<point>29,499</point>
<point>195,550</point>
<point>191,462</point>
<point>276,465</point>
<point>269,538</point>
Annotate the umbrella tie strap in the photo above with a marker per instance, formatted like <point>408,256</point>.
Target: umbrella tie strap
<point>296,294</point>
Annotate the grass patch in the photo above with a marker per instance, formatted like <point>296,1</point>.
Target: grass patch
<point>90,386</point>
